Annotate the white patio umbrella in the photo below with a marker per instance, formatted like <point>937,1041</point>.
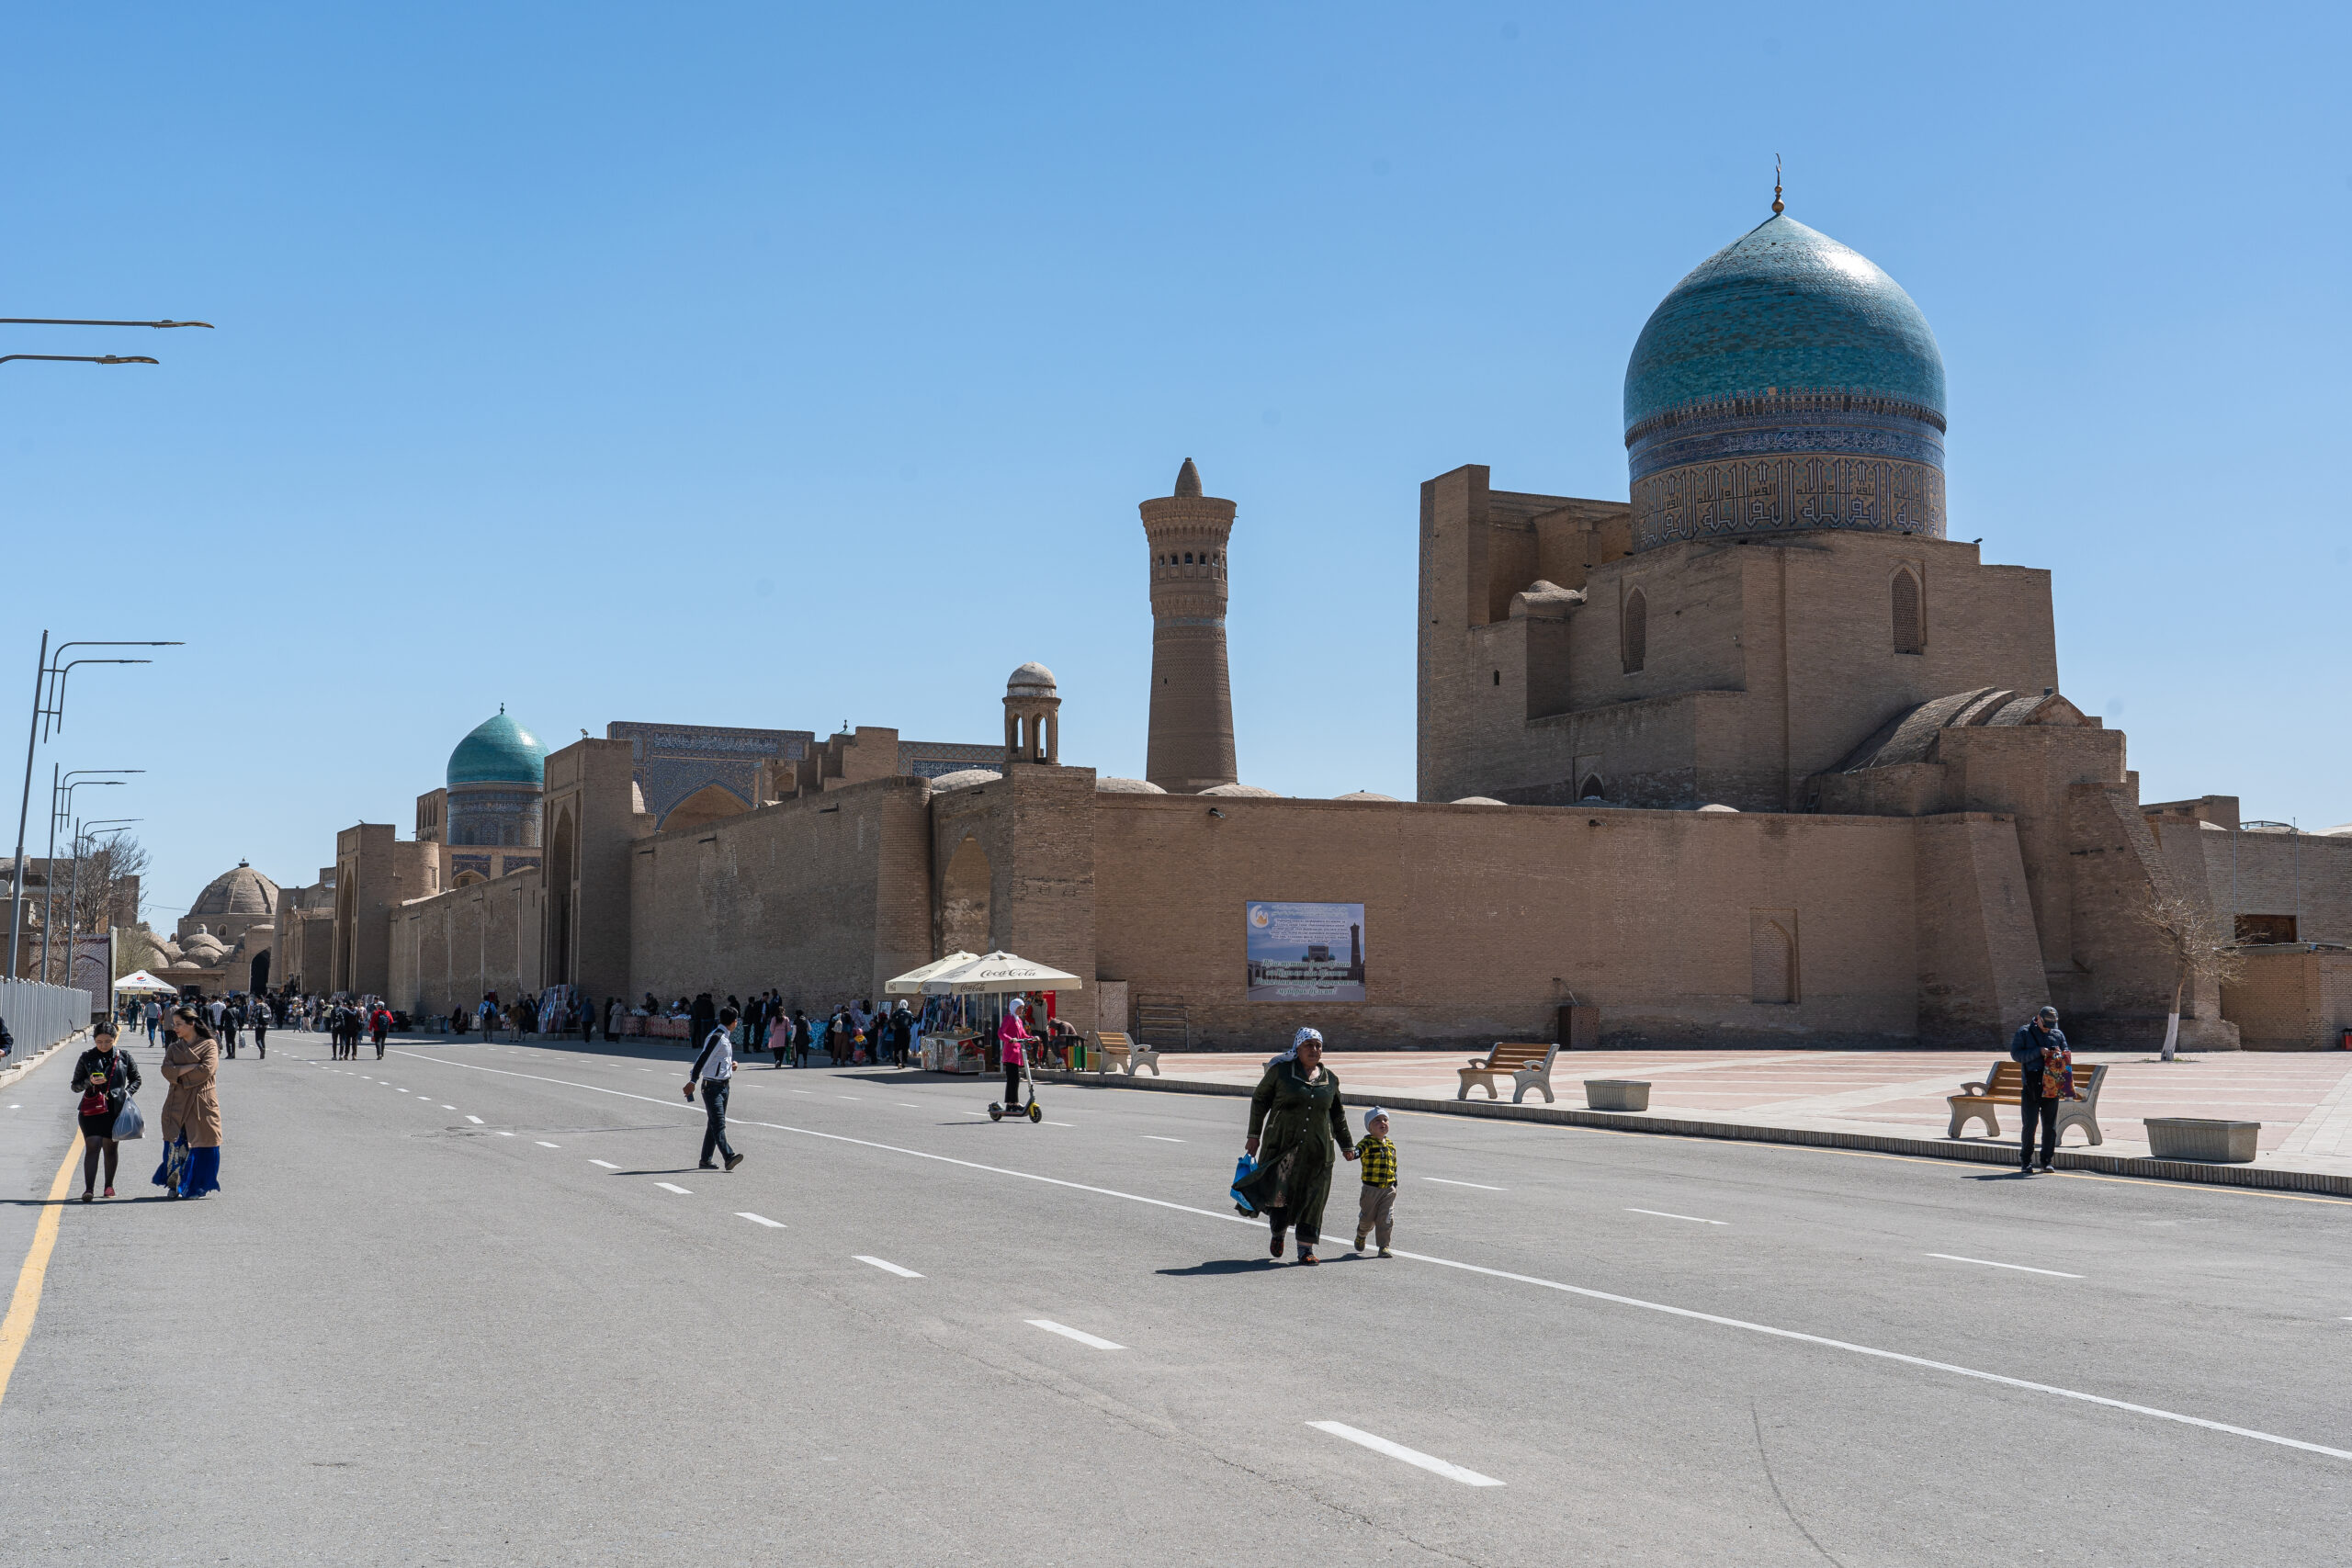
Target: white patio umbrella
<point>911,983</point>
<point>141,981</point>
<point>997,973</point>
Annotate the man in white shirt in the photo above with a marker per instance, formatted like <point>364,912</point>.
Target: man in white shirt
<point>715,1069</point>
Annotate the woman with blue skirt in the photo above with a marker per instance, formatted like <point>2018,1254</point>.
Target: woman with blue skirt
<point>190,1127</point>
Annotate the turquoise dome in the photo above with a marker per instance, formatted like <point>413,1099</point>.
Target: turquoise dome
<point>499,751</point>
<point>1783,309</point>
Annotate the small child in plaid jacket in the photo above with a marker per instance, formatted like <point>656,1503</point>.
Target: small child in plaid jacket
<point>1377,1208</point>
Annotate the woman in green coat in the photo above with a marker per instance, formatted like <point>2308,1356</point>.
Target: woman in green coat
<point>1295,1114</point>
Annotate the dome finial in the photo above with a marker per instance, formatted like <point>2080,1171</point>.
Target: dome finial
<point>1188,480</point>
<point>1778,206</point>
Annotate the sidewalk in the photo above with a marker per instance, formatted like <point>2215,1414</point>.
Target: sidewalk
<point>1890,1101</point>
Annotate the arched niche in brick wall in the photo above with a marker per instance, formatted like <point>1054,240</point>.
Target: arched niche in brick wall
<point>964,900</point>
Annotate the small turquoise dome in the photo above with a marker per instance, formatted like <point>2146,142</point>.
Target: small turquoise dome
<point>499,751</point>
<point>1783,309</point>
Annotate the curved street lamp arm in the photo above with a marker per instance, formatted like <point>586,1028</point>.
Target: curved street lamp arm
<point>64,321</point>
<point>85,359</point>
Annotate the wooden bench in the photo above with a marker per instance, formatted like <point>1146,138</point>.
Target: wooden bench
<point>1119,1053</point>
<point>1530,1066</point>
<point>2004,1086</point>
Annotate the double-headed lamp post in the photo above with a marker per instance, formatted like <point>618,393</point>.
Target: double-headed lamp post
<point>74,900</point>
<point>48,701</point>
<point>60,809</point>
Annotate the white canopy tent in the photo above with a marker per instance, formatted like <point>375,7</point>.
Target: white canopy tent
<point>911,983</point>
<point>997,973</point>
<point>146,985</point>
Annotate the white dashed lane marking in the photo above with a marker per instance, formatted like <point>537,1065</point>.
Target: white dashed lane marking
<point>887,1267</point>
<point>673,1187</point>
<point>1158,1139</point>
<point>545,1145</point>
<point>759,1219</point>
<point>1050,1326</point>
<point>1988,1263</point>
<point>609,1165</point>
<point>1410,1456</point>
<point>475,1119</point>
<point>1481,1186</point>
<point>1662,1214</point>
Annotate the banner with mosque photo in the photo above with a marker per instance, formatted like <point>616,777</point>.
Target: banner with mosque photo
<point>1304,952</point>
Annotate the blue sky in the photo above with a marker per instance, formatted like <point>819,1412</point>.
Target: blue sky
<point>776,364</point>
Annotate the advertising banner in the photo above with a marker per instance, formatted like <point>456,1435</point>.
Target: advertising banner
<point>93,969</point>
<point>1305,952</point>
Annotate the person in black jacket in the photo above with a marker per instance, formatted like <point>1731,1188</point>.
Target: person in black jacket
<point>103,1078</point>
<point>2038,1036</point>
<point>701,1019</point>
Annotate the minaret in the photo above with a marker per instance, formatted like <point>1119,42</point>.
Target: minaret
<point>1192,697</point>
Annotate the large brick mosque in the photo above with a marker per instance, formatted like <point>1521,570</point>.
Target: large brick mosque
<point>1758,754</point>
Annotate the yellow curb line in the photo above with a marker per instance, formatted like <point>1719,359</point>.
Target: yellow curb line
<point>17,1326</point>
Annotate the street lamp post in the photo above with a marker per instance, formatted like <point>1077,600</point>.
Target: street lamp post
<point>60,808</point>
<point>44,705</point>
<point>74,900</point>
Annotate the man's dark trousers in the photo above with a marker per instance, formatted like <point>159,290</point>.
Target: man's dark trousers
<point>713,1104</point>
<point>2034,1106</point>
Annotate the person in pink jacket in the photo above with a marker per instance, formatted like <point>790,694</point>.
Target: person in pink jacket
<point>1012,1039</point>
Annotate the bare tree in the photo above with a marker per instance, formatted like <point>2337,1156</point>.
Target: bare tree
<point>2203,949</point>
<point>101,898</point>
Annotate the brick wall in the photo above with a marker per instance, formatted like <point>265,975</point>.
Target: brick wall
<point>823,897</point>
<point>1481,920</point>
<point>447,949</point>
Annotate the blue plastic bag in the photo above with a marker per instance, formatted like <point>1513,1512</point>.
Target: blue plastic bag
<point>1241,1169</point>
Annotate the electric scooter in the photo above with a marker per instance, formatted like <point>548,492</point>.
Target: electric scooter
<point>1034,1111</point>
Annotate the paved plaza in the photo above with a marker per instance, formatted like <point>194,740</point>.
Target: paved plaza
<point>473,1303</point>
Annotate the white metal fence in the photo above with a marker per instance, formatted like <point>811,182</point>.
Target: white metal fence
<point>40,1016</point>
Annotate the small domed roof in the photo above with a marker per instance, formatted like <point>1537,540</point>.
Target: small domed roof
<point>241,890</point>
<point>1783,309</point>
<point>1476,800</point>
<point>1031,680</point>
<point>1126,786</point>
<point>1241,789</point>
<point>204,936</point>
<point>965,779</point>
<point>499,751</point>
<point>1366,795</point>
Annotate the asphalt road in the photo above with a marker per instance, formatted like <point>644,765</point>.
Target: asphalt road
<point>473,1304</point>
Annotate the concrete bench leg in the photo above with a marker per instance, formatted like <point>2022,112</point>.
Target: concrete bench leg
<point>2079,1116</point>
<point>1962,1115</point>
<point>1478,1081</point>
<point>1525,1081</point>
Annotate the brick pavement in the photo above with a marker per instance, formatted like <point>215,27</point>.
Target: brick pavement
<point>2303,1100</point>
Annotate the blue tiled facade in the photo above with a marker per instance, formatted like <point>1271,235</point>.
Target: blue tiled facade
<point>1786,383</point>
<point>670,761</point>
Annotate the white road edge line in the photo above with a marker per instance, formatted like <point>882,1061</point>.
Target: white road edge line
<point>1066,1332</point>
<point>1988,1263</point>
<point>1481,1186</point>
<point>673,1187</point>
<point>759,1219</point>
<point>1410,1456</point>
<point>887,1267</point>
<point>1694,1219</point>
<point>1586,1292</point>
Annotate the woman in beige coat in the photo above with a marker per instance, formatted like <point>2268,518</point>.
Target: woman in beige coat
<point>191,1121</point>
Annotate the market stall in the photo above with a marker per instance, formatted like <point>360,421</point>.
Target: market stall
<point>963,1002</point>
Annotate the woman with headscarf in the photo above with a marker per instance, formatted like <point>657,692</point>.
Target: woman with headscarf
<point>190,1127</point>
<point>1296,1116</point>
<point>1013,1038</point>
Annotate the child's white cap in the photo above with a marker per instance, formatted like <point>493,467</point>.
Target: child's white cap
<point>1374,1114</point>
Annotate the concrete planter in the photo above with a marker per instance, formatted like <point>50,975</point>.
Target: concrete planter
<point>1618,1094</point>
<point>2202,1137</point>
